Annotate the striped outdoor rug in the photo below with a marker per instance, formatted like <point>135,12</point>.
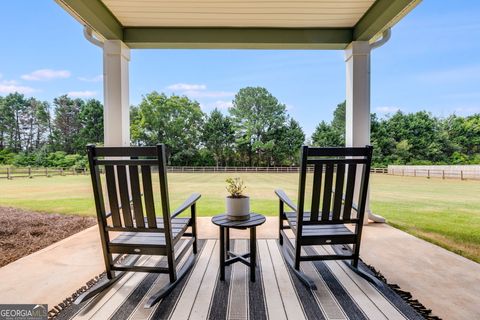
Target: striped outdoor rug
<point>277,293</point>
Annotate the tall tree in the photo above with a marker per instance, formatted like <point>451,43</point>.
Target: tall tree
<point>4,123</point>
<point>91,124</point>
<point>326,136</point>
<point>421,132</point>
<point>14,107</point>
<point>338,121</point>
<point>35,124</point>
<point>43,123</point>
<point>333,134</point>
<point>218,136</point>
<point>256,114</point>
<point>290,138</point>
<point>464,133</point>
<point>67,123</point>
<point>175,121</point>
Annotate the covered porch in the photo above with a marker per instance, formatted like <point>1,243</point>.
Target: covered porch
<point>439,279</point>
<point>356,27</point>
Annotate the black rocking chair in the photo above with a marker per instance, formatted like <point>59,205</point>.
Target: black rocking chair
<point>325,223</point>
<point>133,216</point>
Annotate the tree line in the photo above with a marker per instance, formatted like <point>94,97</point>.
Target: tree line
<point>411,138</point>
<point>256,131</point>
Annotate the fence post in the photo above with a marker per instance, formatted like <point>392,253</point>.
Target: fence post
<point>414,172</point>
<point>461,174</point>
<point>428,173</point>
<point>30,172</point>
<point>443,174</point>
<point>403,172</point>
<point>46,172</point>
<point>8,174</point>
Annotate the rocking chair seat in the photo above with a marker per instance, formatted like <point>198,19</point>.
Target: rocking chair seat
<point>328,230</point>
<point>152,239</point>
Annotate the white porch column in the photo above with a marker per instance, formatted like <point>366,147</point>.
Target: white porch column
<point>116,56</point>
<point>357,129</point>
<point>357,126</point>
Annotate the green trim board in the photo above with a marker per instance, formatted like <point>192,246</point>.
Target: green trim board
<point>381,15</point>
<point>94,14</point>
<point>240,38</point>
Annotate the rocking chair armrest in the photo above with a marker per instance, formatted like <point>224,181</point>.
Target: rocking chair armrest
<point>187,204</point>
<point>285,199</point>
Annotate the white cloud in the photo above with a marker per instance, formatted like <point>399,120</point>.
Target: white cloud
<point>46,74</point>
<point>82,94</point>
<point>9,82</point>
<point>387,109</point>
<point>219,104</point>
<point>11,87</point>
<point>91,79</point>
<point>198,91</point>
<point>187,87</point>
<point>208,94</point>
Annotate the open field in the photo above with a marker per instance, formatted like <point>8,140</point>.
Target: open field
<point>446,212</point>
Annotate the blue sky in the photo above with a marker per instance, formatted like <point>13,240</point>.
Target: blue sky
<point>432,62</point>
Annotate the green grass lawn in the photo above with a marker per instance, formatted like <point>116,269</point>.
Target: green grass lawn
<point>446,212</point>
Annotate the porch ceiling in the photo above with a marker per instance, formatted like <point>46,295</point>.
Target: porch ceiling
<point>256,24</point>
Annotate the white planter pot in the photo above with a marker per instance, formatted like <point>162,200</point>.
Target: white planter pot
<point>238,208</point>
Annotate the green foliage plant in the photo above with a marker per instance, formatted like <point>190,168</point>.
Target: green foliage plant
<point>235,187</point>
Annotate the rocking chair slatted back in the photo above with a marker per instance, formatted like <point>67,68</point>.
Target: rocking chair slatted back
<point>125,186</point>
<point>334,184</point>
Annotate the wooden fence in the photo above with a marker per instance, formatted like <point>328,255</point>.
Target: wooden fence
<point>462,172</point>
<point>28,172</point>
<point>444,172</point>
<point>249,169</point>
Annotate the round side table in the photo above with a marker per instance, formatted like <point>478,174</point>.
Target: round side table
<point>226,256</point>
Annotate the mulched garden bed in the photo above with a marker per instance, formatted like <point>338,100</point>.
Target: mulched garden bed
<point>24,232</point>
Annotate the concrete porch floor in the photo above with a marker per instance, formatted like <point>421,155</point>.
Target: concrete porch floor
<point>441,280</point>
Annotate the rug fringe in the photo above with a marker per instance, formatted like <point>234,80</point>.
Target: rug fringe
<point>406,296</point>
<point>55,311</point>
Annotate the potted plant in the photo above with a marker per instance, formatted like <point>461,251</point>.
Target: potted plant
<point>238,205</point>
